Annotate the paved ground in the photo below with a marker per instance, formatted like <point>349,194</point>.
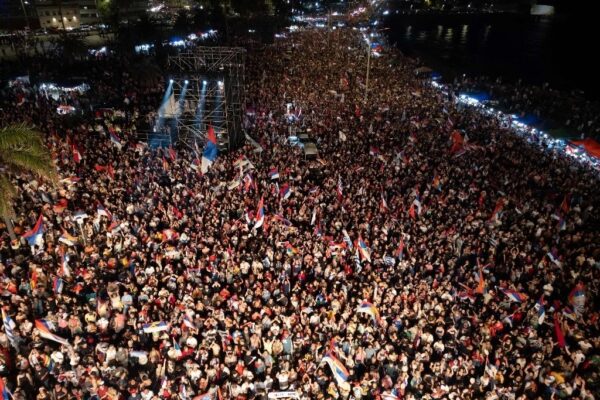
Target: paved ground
<point>92,40</point>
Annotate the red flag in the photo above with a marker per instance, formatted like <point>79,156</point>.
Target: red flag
<point>172,154</point>
<point>411,211</point>
<point>565,206</point>
<point>481,285</point>
<point>76,153</point>
<point>560,336</point>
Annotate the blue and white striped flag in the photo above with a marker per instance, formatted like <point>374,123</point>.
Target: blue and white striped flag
<point>389,261</point>
<point>9,328</point>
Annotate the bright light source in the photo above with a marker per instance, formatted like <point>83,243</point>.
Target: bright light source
<point>221,83</point>
<point>186,82</point>
<point>170,80</point>
<point>204,82</point>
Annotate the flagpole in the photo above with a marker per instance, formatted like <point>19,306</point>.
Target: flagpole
<point>80,223</point>
<point>368,69</point>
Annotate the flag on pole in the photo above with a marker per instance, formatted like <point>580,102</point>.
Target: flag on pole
<point>172,154</point>
<point>260,214</point>
<point>365,253</point>
<point>210,150</point>
<point>513,295</point>
<point>340,189</point>
<point>383,205</point>
<point>57,285</point>
<point>44,328</point>
<point>497,210</point>
<point>560,336</point>
<point>368,308</point>
<point>340,373</point>
<point>115,139</point>
<point>285,191</point>
<point>399,253</point>
<point>347,239</point>
<point>67,238</point>
<point>541,310</point>
<point>577,298</point>
<point>480,289</point>
<point>9,329</point>
<point>274,174</point>
<point>35,235</point>
<point>76,153</point>
<point>155,327</point>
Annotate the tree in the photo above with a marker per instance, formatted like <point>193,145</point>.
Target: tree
<point>70,47</point>
<point>22,151</point>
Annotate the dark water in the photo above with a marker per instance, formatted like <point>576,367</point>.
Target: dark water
<point>563,51</point>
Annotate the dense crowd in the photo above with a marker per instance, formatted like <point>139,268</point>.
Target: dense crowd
<point>428,253</point>
<point>553,108</point>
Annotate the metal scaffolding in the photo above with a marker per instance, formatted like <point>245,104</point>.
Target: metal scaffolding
<point>213,95</point>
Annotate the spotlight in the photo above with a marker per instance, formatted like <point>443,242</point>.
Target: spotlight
<point>170,80</point>
<point>204,82</point>
<point>220,82</point>
<point>186,82</point>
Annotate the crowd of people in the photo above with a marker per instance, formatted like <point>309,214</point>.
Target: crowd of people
<point>553,108</point>
<point>428,253</point>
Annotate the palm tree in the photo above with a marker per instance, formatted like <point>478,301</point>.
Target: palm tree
<point>22,150</point>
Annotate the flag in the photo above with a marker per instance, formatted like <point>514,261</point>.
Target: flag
<point>480,289</point>
<point>339,189</point>
<point>65,270</point>
<point>340,373</point>
<point>67,239</point>
<point>158,326</point>
<point>560,336</point>
<point>205,396</point>
<point>464,295</point>
<point>368,308</point>
<point>9,329</point>
<point>347,239</point>
<point>577,298</point>
<point>365,253</point>
<point>188,322</point>
<point>285,191</point>
<point>44,328</point>
<point>383,205</point>
<point>565,206</point>
<point>274,174</point>
<point>541,310</point>
<point>513,295</point>
<point>411,211</point>
<point>169,234</point>
<point>177,348</point>
<point>172,154</point>
<point>374,151</point>
<point>76,153</point>
<point>4,392</point>
<point>497,210</point>
<point>103,211</point>
<point>35,235</point>
<point>400,250</point>
<point>248,183</point>
<point>57,285</point>
<point>554,258</point>
<point>291,250</point>
<point>389,261</point>
<point>567,312</point>
<point>260,214</point>
<point>417,203</point>
<point>115,139</point>
<point>165,164</point>
<point>210,150</point>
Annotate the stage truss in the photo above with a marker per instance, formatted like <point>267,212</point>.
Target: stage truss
<point>223,69</point>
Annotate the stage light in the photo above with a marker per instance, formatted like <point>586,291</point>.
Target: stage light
<point>170,80</point>
<point>186,81</point>
<point>204,82</point>
<point>220,82</point>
